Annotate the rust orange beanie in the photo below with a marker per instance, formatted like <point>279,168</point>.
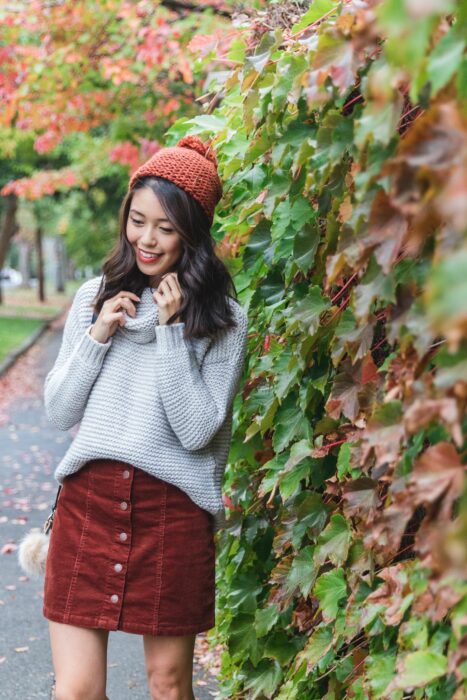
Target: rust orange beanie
<point>190,164</point>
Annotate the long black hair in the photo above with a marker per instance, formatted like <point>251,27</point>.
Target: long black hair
<point>204,279</point>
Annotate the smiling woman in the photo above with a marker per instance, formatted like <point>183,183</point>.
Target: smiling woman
<point>152,383</point>
<point>168,210</point>
<point>157,246</point>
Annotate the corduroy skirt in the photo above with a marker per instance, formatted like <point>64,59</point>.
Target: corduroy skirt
<point>130,552</point>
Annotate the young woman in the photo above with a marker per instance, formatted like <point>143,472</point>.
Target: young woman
<point>152,381</point>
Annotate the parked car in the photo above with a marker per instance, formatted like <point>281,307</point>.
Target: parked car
<point>10,277</point>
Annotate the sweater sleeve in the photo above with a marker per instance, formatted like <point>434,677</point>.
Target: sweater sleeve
<point>79,360</point>
<point>197,399</point>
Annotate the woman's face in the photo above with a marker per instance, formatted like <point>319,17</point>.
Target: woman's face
<point>148,230</point>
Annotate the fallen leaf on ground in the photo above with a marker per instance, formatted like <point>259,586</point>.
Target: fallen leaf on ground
<point>8,548</point>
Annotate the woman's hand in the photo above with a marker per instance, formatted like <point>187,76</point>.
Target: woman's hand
<point>168,297</point>
<point>110,318</point>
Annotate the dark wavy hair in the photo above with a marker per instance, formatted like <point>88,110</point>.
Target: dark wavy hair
<point>204,279</point>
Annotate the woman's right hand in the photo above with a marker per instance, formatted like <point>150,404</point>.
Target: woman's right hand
<point>110,318</point>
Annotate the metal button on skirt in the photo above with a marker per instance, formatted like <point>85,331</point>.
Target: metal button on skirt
<point>130,552</point>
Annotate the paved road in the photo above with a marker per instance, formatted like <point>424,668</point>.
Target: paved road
<point>30,448</point>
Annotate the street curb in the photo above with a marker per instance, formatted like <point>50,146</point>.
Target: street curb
<point>12,356</point>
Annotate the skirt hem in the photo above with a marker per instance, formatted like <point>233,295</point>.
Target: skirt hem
<point>91,623</point>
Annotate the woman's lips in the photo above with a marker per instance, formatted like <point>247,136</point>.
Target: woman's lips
<point>144,259</point>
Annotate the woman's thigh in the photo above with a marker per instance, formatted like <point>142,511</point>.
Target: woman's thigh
<point>169,662</point>
<point>79,657</point>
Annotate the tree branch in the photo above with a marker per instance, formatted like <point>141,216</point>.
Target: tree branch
<point>179,6</point>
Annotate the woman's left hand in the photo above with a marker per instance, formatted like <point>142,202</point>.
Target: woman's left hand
<point>168,297</point>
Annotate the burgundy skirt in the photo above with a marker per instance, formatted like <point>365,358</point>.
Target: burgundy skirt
<point>130,552</point>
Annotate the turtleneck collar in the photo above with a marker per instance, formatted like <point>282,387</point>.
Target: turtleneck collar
<point>142,328</point>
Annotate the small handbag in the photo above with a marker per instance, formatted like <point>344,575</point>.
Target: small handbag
<point>33,548</point>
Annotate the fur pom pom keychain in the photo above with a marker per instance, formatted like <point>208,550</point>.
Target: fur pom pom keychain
<point>33,548</point>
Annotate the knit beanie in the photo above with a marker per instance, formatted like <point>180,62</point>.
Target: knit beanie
<point>191,165</point>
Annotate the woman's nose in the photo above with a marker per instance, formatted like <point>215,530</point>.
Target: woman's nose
<point>149,237</point>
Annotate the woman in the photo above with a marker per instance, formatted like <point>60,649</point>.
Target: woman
<point>152,381</point>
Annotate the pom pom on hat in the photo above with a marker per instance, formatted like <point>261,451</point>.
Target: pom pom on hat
<point>191,165</point>
<point>195,143</point>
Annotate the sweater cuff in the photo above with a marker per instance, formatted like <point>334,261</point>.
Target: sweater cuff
<point>169,337</point>
<point>91,350</point>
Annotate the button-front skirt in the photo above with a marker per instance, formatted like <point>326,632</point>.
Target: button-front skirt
<point>130,552</point>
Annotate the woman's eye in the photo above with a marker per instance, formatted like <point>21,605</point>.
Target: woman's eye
<point>140,223</point>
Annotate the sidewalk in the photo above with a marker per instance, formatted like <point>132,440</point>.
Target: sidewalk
<point>30,448</point>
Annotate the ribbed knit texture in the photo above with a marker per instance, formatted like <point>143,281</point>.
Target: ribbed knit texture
<point>192,166</point>
<point>148,397</point>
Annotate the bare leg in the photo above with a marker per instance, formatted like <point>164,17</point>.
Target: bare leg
<point>79,657</point>
<point>169,665</point>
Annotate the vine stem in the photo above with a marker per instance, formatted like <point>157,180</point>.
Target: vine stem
<point>378,345</point>
<point>341,308</point>
<point>381,315</point>
<point>352,101</point>
<point>333,668</point>
<point>333,444</point>
<point>409,111</point>
<point>342,289</point>
<point>273,493</point>
<point>351,673</point>
<point>440,342</point>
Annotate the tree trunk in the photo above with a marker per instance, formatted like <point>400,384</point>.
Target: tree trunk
<point>59,265</point>
<point>40,264</point>
<point>24,248</point>
<point>7,231</point>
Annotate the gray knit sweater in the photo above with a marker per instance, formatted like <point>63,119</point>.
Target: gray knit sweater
<point>148,397</point>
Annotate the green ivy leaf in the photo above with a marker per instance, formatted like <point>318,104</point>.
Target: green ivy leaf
<point>445,59</point>
<point>316,648</point>
<point>305,313</point>
<point>334,542</point>
<point>445,294</point>
<point>282,647</point>
<point>212,123</point>
<point>237,49</point>
<point>311,513</point>
<point>330,589</point>
<point>301,212</point>
<point>378,122</point>
<point>316,11</point>
<point>343,460</point>
<point>264,679</point>
<point>381,670</point>
<point>420,668</point>
<point>290,481</point>
<point>290,424</point>
<point>305,246</point>
<point>287,369</point>
<point>265,619</point>
<point>242,636</point>
<point>242,595</point>
<point>303,571</point>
